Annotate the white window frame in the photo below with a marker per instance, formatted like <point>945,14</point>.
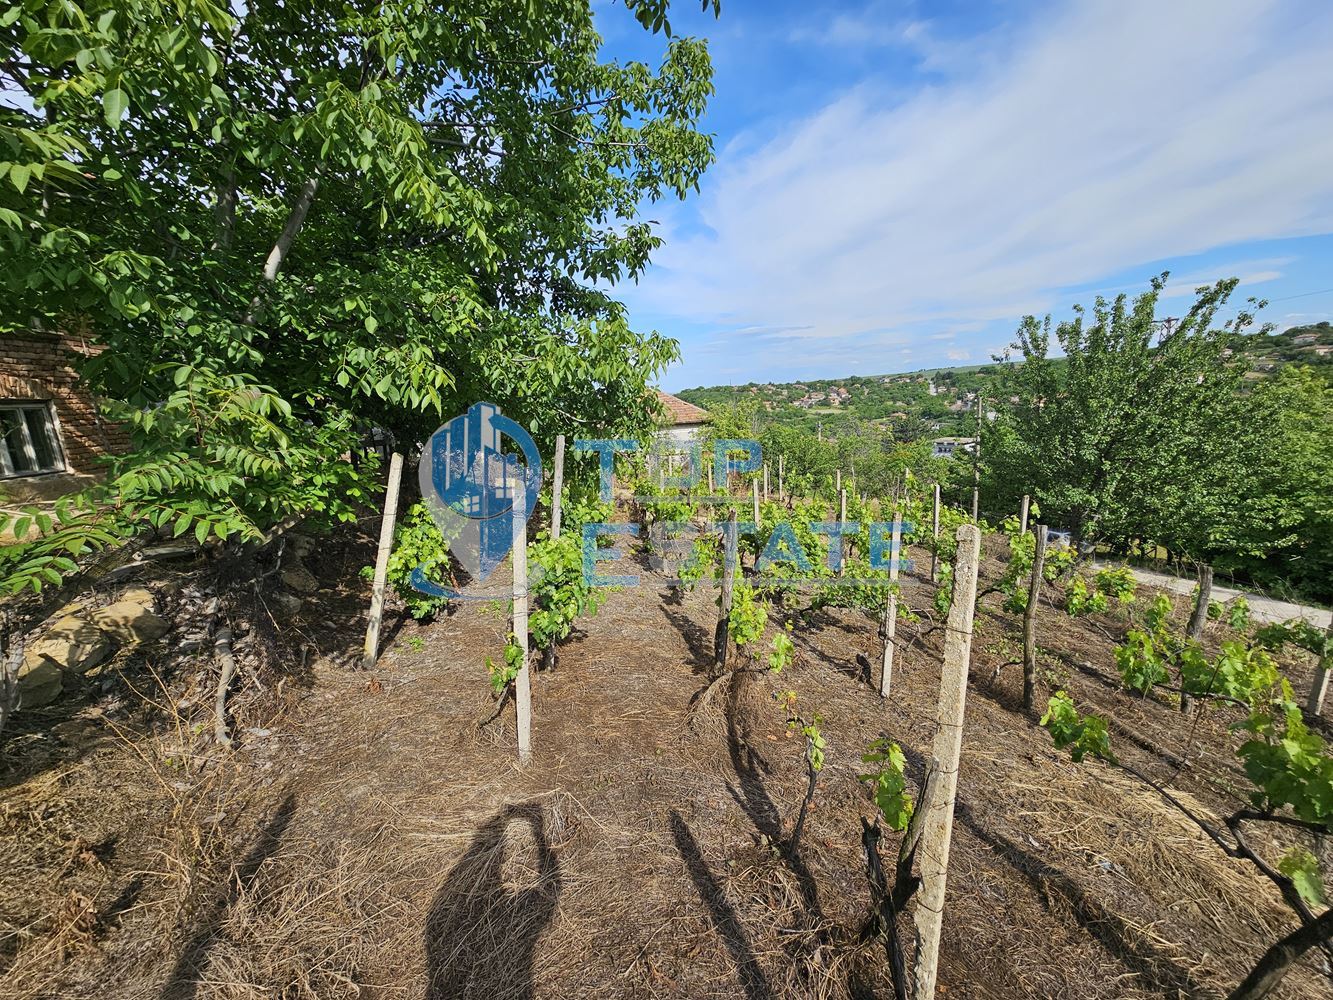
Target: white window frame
<point>52,425</point>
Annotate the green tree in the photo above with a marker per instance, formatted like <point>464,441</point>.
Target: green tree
<point>1288,540</point>
<point>286,222</point>
<point>1140,432</point>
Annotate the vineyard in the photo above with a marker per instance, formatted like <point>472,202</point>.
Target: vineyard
<point>311,690</point>
<point>746,803</point>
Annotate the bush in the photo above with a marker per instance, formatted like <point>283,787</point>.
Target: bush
<point>418,542</point>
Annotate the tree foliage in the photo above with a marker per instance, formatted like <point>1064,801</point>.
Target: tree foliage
<point>287,222</point>
<point>1141,432</point>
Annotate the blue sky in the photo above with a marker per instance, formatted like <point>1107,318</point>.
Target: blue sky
<point>898,182</point>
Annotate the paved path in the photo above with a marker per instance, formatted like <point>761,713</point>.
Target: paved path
<point>1263,609</point>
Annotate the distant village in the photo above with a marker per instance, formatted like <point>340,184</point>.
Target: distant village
<point>940,405</point>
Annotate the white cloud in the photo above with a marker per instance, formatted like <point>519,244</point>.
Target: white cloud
<point>958,354</point>
<point>877,24</point>
<point>1117,133</point>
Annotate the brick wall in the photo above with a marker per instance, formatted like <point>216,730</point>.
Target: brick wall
<point>43,366</point>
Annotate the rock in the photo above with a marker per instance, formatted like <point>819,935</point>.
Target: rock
<point>141,596</point>
<point>40,681</point>
<point>73,643</point>
<point>129,623</point>
<point>300,545</point>
<point>300,579</point>
<point>285,605</point>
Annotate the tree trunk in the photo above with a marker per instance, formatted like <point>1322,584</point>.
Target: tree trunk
<point>1314,705</point>
<point>226,672</point>
<point>224,211</point>
<point>295,220</point>
<point>1200,616</point>
<point>1198,619</point>
<point>1279,959</point>
<point>277,255</point>
<point>1030,622</point>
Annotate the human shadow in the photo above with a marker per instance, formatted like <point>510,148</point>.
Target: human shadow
<point>481,935</point>
<point>752,796</point>
<point>183,982</point>
<point>720,912</point>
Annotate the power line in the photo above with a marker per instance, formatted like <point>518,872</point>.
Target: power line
<point>1288,298</point>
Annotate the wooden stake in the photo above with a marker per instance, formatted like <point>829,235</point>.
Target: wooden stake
<point>890,626</point>
<point>1023,515</point>
<point>842,523</point>
<point>837,479</point>
<point>371,652</point>
<point>765,482</point>
<point>1030,620</point>
<point>557,485</point>
<point>976,464</point>
<point>754,489</point>
<point>781,463</point>
<point>935,535</point>
<point>523,682</point>
<point>728,570</point>
<point>947,748</point>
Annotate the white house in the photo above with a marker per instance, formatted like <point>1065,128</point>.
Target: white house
<point>682,422</point>
<point>946,446</point>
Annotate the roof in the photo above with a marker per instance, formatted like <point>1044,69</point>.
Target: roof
<point>680,412</point>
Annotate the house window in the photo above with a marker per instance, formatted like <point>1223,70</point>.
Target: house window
<point>28,441</point>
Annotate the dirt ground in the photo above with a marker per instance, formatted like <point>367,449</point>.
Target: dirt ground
<point>366,838</point>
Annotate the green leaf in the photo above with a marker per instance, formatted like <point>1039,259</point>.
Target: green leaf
<point>1302,868</point>
<point>115,103</point>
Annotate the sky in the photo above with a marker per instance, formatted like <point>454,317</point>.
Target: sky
<point>899,182</point>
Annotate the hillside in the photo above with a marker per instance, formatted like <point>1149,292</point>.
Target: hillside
<point>367,837</point>
<point>932,402</point>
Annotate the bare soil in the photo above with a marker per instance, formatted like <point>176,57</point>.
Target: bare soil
<point>367,838</point>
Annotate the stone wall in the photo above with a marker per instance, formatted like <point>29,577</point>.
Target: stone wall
<point>43,366</point>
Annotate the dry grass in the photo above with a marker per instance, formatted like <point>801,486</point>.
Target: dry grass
<point>378,844</point>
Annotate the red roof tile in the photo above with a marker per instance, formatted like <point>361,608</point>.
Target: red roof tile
<point>680,412</point>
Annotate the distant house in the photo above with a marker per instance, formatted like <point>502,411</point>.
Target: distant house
<point>683,422</point>
<point>946,446</point>
<point>1305,338</point>
<point>51,434</point>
